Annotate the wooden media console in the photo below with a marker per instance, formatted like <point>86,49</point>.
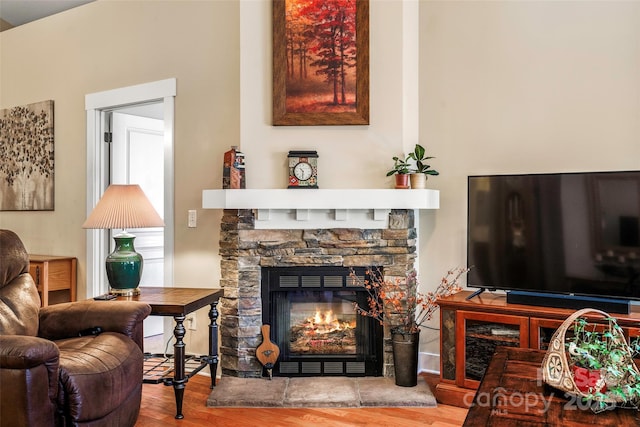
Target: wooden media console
<point>471,330</point>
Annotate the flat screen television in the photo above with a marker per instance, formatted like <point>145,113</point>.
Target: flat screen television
<point>563,237</point>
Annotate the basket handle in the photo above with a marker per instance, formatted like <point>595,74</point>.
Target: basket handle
<point>569,320</point>
<point>574,316</point>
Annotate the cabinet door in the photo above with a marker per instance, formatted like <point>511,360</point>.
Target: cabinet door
<point>632,333</point>
<point>478,335</point>
<point>541,331</point>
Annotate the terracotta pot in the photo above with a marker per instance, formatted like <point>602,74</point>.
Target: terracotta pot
<point>402,180</point>
<point>418,180</point>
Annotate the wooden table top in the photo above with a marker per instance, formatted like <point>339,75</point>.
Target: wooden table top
<point>175,301</point>
<point>512,393</point>
<point>44,258</point>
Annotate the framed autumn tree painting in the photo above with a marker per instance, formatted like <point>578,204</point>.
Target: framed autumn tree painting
<point>320,62</point>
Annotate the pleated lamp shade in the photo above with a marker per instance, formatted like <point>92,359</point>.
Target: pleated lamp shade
<point>123,206</point>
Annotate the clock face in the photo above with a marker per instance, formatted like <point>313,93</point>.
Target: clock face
<point>303,171</point>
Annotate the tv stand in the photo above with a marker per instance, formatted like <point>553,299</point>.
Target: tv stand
<point>479,291</point>
<point>569,301</point>
<point>471,330</point>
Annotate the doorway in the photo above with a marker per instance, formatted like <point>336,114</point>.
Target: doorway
<point>140,119</point>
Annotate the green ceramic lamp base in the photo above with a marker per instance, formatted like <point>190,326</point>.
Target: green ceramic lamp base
<point>124,266</point>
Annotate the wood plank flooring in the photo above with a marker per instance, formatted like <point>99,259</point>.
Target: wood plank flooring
<point>158,409</point>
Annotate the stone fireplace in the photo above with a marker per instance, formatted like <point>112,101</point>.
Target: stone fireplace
<point>249,247</point>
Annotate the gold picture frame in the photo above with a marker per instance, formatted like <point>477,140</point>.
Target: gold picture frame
<point>314,57</point>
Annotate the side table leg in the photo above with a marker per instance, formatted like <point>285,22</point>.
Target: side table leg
<point>213,342</point>
<point>179,380</point>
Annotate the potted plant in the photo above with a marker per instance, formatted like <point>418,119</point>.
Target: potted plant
<point>401,171</point>
<point>602,363</point>
<point>396,304</point>
<point>422,169</point>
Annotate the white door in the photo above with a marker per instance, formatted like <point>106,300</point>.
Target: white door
<point>137,157</point>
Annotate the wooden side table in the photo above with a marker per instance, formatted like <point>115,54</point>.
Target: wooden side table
<point>178,302</point>
<point>53,273</point>
<point>512,393</point>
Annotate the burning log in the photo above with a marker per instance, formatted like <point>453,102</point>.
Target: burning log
<point>323,333</point>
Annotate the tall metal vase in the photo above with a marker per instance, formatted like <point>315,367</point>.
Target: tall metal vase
<point>405,357</point>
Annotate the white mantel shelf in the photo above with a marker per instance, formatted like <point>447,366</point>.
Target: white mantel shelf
<point>321,199</point>
<point>320,208</point>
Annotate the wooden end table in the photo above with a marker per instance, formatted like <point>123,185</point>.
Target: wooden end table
<point>53,273</point>
<point>178,302</point>
<point>512,393</point>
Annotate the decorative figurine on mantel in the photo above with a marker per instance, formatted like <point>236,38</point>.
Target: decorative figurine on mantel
<point>233,173</point>
<point>303,169</point>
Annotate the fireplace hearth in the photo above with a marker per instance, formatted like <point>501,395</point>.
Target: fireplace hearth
<point>313,322</point>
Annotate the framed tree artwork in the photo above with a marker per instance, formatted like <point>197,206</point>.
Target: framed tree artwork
<point>320,62</point>
<point>26,150</point>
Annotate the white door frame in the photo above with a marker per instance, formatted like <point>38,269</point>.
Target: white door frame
<point>98,171</point>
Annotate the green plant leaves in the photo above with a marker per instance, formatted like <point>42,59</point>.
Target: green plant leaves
<point>418,156</point>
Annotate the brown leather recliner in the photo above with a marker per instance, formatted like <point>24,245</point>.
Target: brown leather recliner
<point>56,368</point>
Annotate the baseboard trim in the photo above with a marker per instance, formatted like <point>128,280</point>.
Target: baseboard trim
<point>428,363</point>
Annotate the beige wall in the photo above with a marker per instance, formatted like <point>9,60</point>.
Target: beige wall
<point>111,44</point>
<point>519,87</point>
<point>494,87</point>
<point>106,45</point>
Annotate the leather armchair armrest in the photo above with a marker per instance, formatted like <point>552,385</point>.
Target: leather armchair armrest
<point>24,352</point>
<point>67,320</point>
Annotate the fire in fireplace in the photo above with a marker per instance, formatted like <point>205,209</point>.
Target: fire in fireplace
<point>323,327</point>
<point>310,310</point>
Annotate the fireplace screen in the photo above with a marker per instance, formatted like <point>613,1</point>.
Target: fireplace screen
<point>314,324</point>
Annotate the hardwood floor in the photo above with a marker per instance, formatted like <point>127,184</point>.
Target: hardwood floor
<point>158,409</point>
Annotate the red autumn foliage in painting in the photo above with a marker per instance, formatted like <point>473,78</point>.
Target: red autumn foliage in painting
<point>321,55</point>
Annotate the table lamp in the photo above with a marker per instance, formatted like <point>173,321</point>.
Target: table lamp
<point>122,207</point>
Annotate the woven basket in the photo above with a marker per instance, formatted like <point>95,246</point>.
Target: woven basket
<point>556,369</point>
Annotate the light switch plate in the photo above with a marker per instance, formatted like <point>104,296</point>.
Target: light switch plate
<point>193,218</point>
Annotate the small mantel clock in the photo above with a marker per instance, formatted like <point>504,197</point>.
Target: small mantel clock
<point>303,169</point>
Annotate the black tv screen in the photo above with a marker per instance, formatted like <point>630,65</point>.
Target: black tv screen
<point>561,233</point>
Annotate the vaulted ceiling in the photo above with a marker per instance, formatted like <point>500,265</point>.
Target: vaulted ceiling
<point>19,12</point>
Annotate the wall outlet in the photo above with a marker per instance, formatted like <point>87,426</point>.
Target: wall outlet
<point>193,218</point>
<point>191,322</point>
